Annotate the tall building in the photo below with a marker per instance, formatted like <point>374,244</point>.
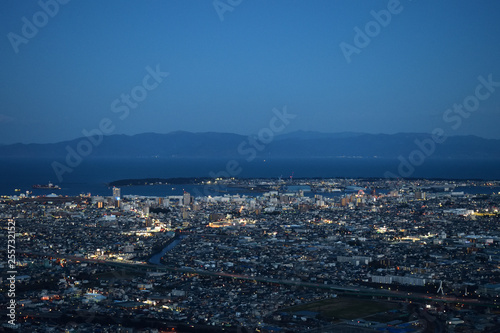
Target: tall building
<point>187,199</point>
<point>420,195</point>
<point>116,196</point>
<point>116,193</point>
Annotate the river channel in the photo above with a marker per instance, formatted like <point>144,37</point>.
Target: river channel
<point>155,259</point>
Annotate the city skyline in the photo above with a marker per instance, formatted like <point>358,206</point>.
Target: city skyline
<point>288,255</point>
<point>224,66</point>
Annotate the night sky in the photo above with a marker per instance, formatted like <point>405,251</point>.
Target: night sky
<point>230,62</point>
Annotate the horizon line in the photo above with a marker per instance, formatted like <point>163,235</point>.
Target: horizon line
<point>245,135</point>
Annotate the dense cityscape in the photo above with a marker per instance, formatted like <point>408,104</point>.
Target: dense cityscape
<point>295,255</point>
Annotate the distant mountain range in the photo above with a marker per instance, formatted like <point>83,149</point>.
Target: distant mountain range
<point>299,144</point>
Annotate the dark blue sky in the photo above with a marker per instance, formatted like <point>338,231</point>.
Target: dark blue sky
<point>227,75</point>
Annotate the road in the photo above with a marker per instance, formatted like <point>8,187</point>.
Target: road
<point>361,291</point>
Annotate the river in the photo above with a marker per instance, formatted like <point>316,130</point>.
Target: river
<point>155,259</point>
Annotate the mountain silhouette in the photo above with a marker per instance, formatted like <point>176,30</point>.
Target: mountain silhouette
<point>300,144</point>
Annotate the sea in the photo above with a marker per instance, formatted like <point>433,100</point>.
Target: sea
<point>93,175</point>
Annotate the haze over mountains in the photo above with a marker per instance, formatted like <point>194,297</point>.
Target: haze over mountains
<point>299,144</point>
